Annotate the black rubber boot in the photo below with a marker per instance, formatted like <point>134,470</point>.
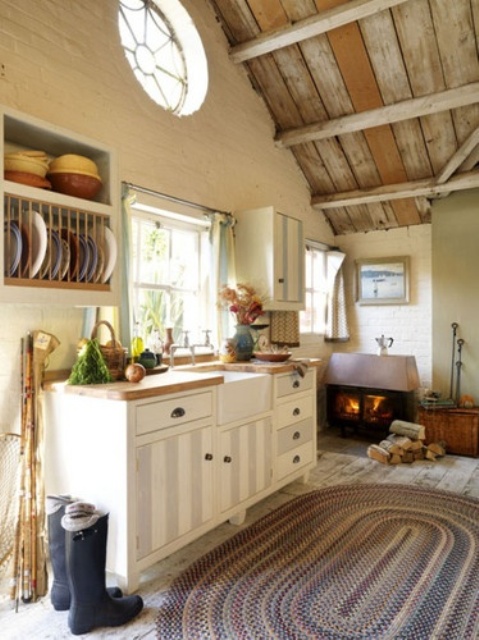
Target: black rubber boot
<point>60,590</point>
<point>91,605</point>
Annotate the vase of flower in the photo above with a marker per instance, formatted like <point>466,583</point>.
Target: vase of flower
<point>244,343</point>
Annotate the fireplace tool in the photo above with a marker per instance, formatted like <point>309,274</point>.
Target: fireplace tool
<point>454,326</point>
<point>460,342</point>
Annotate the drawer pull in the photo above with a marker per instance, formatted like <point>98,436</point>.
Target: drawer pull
<point>296,435</point>
<point>296,384</point>
<point>227,459</point>
<point>209,456</point>
<point>296,411</point>
<point>179,412</point>
<point>296,459</point>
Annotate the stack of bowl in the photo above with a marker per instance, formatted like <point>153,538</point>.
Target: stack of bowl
<point>75,175</point>
<point>27,167</point>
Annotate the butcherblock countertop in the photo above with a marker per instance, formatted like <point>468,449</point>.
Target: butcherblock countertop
<point>184,378</point>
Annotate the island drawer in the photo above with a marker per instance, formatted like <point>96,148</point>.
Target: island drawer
<point>295,435</point>
<point>163,414</point>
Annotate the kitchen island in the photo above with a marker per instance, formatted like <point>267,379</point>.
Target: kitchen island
<point>180,452</point>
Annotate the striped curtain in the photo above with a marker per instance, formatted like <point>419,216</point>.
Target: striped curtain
<point>337,329</point>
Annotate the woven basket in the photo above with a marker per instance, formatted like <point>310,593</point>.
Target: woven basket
<point>458,428</point>
<point>114,353</point>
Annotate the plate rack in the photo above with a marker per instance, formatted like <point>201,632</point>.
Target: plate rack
<point>57,249</point>
<point>52,245</point>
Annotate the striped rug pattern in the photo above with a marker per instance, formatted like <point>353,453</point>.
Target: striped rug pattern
<point>342,563</point>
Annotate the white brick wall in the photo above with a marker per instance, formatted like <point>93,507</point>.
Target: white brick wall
<point>410,325</point>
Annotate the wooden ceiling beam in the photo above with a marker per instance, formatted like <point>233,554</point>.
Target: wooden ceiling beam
<point>309,27</point>
<point>428,187</point>
<point>459,157</point>
<point>400,111</point>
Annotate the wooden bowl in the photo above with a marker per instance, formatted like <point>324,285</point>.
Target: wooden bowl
<point>269,356</point>
<point>75,184</point>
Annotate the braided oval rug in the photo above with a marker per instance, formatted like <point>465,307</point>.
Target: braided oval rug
<point>345,562</point>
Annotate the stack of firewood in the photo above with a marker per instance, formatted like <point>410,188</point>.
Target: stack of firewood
<point>405,443</point>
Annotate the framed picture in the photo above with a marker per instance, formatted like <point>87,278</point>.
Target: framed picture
<point>383,280</point>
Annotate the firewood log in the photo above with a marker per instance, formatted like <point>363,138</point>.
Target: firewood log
<point>391,447</point>
<point>437,448</point>
<point>418,454</point>
<point>408,456</point>
<point>416,445</point>
<point>395,459</point>
<point>377,453</point>
<point>430,455</point>
<point>409,429</point>
<point>402,441</point>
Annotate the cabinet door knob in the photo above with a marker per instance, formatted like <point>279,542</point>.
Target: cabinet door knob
<point>209,456</point>
<point>296,459</point>
<point>227,459</point>
<point>296,435</point>
<point>281,280</point>
<point>296,384</point>
<point>179,412</point>
<point>296,411</point>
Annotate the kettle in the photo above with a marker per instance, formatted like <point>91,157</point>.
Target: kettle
<point>383,345</point>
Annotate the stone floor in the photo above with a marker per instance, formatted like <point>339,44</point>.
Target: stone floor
<point>340,461</point>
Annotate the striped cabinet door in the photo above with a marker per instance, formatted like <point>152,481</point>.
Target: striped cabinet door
<point>174,488</point>
<point>245,461</point>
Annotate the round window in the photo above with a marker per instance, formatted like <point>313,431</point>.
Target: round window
<point>165,52</point>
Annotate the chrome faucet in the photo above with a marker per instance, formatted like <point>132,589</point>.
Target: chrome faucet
<point>206,343</point>
<point>173,348</point>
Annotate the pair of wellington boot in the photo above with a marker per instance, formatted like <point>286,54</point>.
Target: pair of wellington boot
<point>78,560</point>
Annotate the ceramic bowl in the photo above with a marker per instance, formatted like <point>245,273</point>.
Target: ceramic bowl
<point>71,162</point>
<point>25,164</point>
<point>75,184</point>
<point>31,179</point>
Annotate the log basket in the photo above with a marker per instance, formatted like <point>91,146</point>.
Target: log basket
<point>458,428</point>
<point>114,353</point>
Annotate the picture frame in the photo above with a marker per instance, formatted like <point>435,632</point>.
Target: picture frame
<point>382,280</point>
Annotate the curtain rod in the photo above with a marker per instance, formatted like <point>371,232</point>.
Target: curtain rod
<point>195,205</point>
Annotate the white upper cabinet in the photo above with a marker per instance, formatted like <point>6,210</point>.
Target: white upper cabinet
<point>55,248</point>
<point>270,256</point>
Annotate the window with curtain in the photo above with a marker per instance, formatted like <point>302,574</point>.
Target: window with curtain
<point>313,318</point>
<point>170,262</point>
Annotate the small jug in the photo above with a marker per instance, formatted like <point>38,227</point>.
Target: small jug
<point>383,345</point>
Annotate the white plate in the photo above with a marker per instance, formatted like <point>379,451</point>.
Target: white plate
<point>84,258</point>
<point>92,264</point>
<point>13,247</point>
<point>111,252</point>
<point>37,231</point>
<point>53,255</point>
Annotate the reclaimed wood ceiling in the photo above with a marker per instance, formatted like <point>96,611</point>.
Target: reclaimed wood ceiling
<point>378,100</point>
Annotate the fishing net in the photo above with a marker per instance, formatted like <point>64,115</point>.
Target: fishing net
<point>9,494</point>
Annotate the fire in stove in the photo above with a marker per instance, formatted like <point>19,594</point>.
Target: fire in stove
<point>347,406</point>
<point>378,410</point>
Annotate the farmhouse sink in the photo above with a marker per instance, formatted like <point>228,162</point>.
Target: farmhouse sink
<point>242,396</point>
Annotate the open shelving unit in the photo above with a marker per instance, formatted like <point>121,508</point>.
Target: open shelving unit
<point>53,241</point>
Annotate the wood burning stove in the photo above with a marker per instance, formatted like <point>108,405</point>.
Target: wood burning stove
<point>372,410</point>
<point>367,392</point>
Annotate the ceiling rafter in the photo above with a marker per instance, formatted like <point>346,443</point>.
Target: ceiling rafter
<point>428,187</point>
<point>309,27</point>
<point>400,111</point>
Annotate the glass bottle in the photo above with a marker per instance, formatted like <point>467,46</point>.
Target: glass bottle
<point>137,344</point>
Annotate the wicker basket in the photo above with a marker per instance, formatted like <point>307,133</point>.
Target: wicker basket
<point>458,428</point>
<point>114,353</point>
